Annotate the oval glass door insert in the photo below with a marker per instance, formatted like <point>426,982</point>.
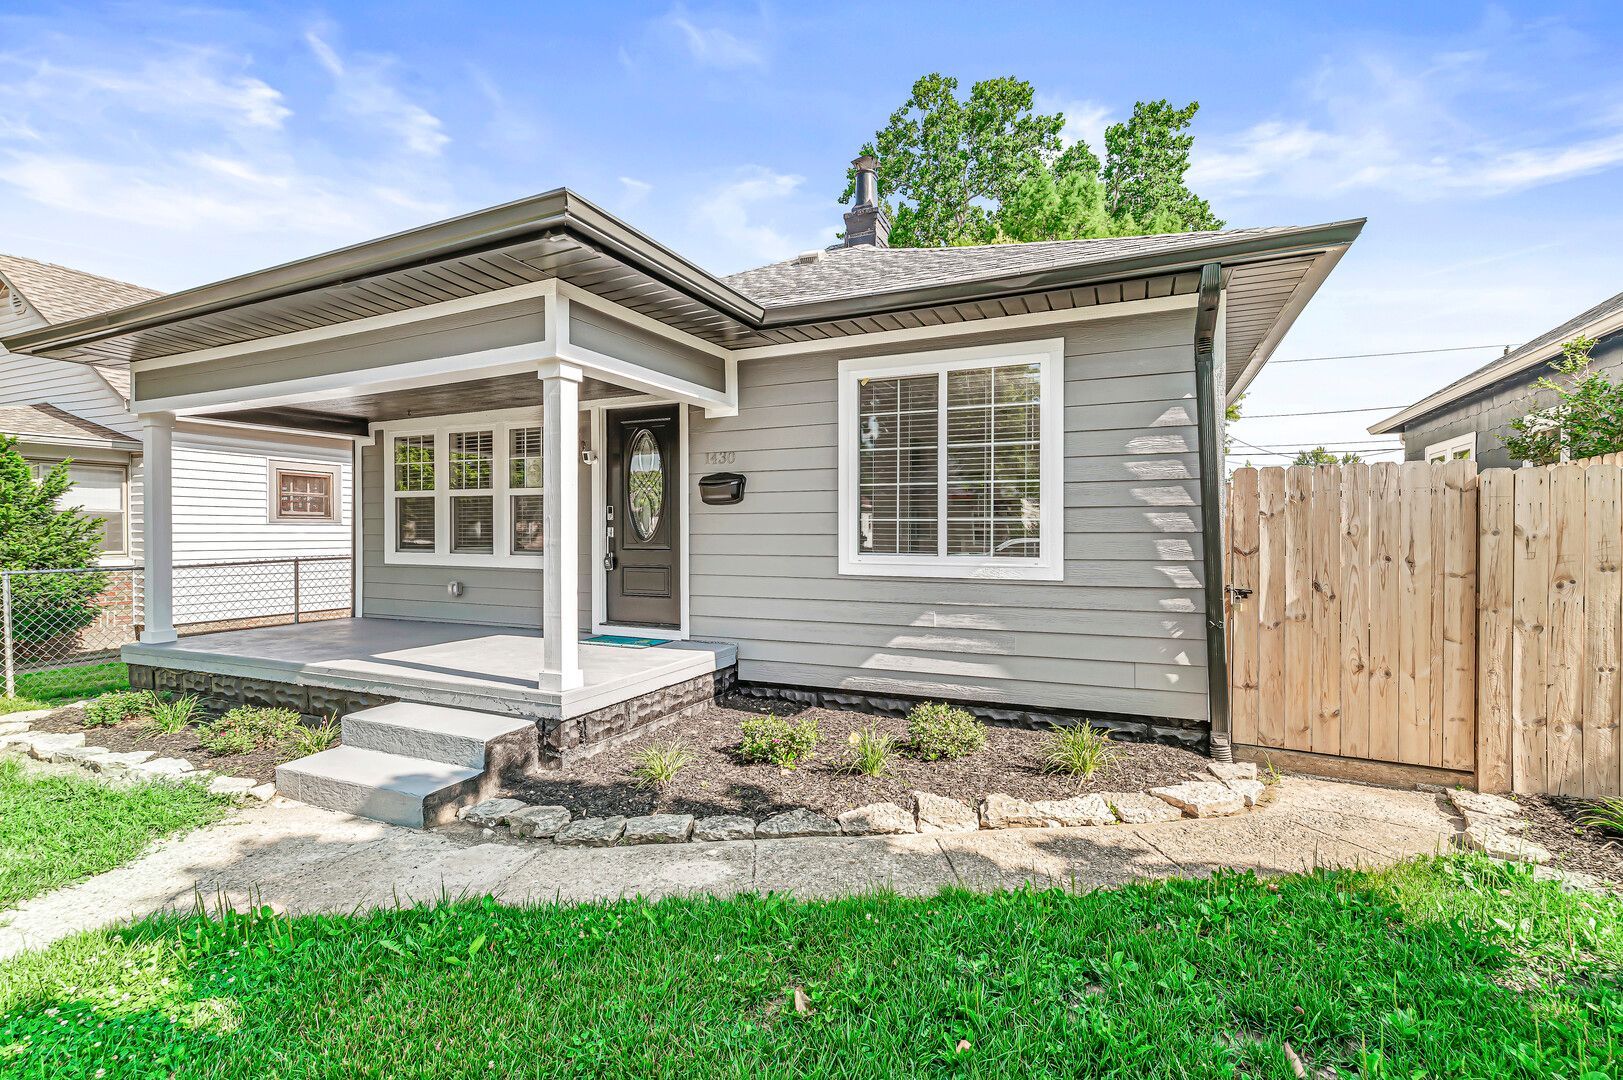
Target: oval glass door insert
<point>645,479</point>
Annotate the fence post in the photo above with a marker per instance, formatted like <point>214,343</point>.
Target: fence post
<point>296,598</point>
<point>5,617</point>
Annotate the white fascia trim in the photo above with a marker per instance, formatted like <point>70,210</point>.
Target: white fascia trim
<point>1050,565</point>
<point>1483,379</point>
<point>316,335</point>
<point>1305,290</point>
<point>297,434</point>
<point>1003,323</point>
<point>578,295</point>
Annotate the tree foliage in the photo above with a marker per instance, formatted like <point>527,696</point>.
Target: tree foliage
<point>989,169</point>
<point>1320,456</point>
<point>1585,421</point>
<point>36,535</point>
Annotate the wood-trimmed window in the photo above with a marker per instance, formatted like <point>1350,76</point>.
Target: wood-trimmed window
<point>463,491</point>
<point>304,493</point>
<point>951,463</point>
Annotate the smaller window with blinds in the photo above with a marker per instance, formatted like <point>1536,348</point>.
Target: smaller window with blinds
<point>524,491</point>
<point>473,501</point>
<point>951,463</point>
<point>97,491</point>
<point>304,492</point>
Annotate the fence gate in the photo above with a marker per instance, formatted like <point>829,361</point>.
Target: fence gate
<point>1353,624</point>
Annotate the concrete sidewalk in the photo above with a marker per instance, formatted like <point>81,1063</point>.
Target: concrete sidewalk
<point>302,859</point>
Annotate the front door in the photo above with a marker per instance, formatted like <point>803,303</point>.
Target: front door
<point>643,527</point>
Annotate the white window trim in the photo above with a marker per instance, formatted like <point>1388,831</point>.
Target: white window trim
<point>1449,447</point>
<point>500,424</point>
<point>1049,565</point>
<point>335,511</point>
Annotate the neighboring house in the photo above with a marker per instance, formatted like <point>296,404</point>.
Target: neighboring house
<point>240,493</point>
<point>876,475</point>
<point>1470,417</point>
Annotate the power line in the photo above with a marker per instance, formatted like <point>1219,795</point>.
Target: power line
<point>1374,355</point>
<point>1321,412</point>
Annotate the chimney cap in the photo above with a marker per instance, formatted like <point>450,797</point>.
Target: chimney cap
<point>865,163</point>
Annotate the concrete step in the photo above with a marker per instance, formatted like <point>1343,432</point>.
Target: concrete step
<point>410,791</point>
<point>473,740</point>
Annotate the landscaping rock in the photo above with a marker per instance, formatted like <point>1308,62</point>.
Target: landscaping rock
<point>724,827</point>
<point>1199,799</point>
<point>237,787</point>
<point>1479,803</point>
<point>44,745</point>
<point>658,829</point>
<point>490,813</point>
<point>592,832</point>
<point>939,814</point>
<point>1070,813</point>
<point>120,763</point>
<point>537,822</point>
<point>1571,880</point>
<point>164,768</point>
<point>264,792</point>
<point>15,743</point>
<point>1235,770</point>
<point>1137,808</point>
<point>1489,821</point>
<point>877,819</point>
<point>800,822</point>
<point>12,726</point>
<point>1502,844</point>
<point>1248,790</point>
<point>999,811</point>
<point>80,755</point>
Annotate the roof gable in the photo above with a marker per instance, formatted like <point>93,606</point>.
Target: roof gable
<point>61,294</point>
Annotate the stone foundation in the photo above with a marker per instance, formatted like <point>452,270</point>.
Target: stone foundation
<point>590,733</point>
<point>1190,734</point>
<point>218,693</point>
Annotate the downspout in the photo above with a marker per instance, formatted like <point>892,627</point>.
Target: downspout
<point>1208,411</point>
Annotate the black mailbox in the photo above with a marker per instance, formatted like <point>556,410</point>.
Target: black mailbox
<point>722,488</point>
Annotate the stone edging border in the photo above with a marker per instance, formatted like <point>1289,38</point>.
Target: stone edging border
<point>69,748</point>
<point>1221,791</point>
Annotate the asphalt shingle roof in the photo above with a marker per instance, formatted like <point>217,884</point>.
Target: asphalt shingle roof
<point>864,270</point>
<point>1513,361</point>
<point>61,294</point>
<point>49,422</point>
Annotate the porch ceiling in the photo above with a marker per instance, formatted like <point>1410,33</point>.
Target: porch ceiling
<point>351,415</point>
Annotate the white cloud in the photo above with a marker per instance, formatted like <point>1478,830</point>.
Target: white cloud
<point>1085,120</point>
<point>713,45</point>
<point>188,81</point>
<point>634,190</point>
<point>364,88</point>
<point>732,211</point>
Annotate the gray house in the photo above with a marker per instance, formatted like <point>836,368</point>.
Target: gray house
<point>1470,417</point>
<point>596,483</point>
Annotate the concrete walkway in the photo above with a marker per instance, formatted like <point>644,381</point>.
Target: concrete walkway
<point>302,859</point>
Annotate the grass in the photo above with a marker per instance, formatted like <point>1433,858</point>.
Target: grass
<point>1075,751</point>
<point>302,740</point>
<point>55,830</point>
<point>871,752</point>
<point>657,764</point>
<point>170,717</point>
<point>1437,968</point>
<point>48,689</point>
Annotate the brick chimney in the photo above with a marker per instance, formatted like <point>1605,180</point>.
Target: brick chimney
<point>866,222</point>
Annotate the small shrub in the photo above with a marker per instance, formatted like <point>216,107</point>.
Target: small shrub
<point>778,741</point>
<point>304,740</point>
<point>657,765</point>
<point>936,730</point>
<point>871,752</point>
<point>170,717</point>
<point>1606,815</point>
<point>1075,751</point>
<point>248,728</point>
<point>117,707</point>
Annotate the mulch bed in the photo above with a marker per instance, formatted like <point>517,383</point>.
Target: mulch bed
<point>120,738</point>
<point>718,782</point>
<point>1553,823</point>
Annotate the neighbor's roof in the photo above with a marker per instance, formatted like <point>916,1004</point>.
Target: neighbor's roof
<point>1604,318</point>
<point>864,270</point>
<point>1270,275</point>
<point>61,294</point>
<point>50,424</point>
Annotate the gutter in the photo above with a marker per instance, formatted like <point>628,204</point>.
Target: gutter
<point>1208,398</point>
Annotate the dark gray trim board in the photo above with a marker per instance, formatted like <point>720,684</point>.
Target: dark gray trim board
<point>1208,408</point>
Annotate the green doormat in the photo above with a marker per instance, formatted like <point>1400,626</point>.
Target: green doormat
<point>621,642</point>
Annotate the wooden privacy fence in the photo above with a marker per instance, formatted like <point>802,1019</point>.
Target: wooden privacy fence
<point>1424,615</point>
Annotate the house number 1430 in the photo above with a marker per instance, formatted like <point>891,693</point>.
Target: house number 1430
<point>719,457</point>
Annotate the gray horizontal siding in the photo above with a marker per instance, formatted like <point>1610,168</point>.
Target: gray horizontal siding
<point>591,329</point>
<point>1123,632</point>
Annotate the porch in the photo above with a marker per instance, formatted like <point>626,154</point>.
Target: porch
<point>338,665</point>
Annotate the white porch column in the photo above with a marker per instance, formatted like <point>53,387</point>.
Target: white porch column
<point>158,526</point>
<point>560,513</point>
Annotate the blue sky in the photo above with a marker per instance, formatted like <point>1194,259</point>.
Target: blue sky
<point>176,144</point>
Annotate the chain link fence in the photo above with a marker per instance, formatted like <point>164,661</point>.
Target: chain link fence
<point>60,630</point>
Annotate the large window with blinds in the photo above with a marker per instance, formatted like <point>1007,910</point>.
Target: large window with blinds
<point>465,491</point>
<point>951,463</point>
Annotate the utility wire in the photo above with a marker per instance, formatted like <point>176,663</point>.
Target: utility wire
<point>1374,355</point>
<point>1321,412</point>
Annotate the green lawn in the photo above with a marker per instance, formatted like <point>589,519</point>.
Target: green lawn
<point>1436,969</point>
<point>47,689</point>
<point>55,830</point>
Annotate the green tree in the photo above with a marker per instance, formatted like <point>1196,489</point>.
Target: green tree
<point>36,535</point>
<point>988,169</point>
<point>1585,421</point>
<point>1320,456</point>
